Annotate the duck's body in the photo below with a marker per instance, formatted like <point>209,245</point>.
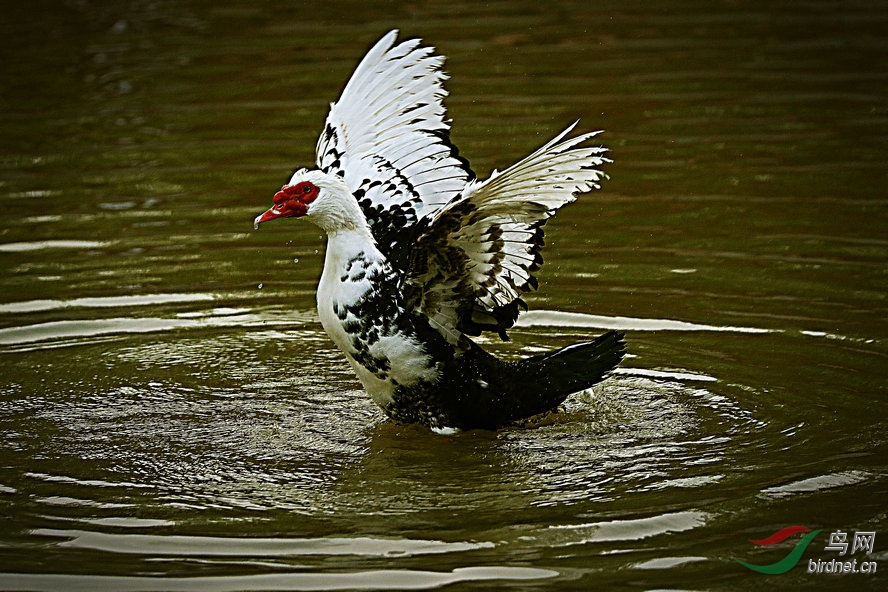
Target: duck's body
<point>420,255</point>
<point>362,310</point>
<point>415,375</point>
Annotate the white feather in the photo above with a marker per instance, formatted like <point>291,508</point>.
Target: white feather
<point>391,110</point>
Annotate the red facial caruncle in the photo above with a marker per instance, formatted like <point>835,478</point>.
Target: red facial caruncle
<point>291,201</point>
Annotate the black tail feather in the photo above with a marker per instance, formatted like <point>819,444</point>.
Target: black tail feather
<point>579,366</point>
<point>482,391</point>
<point>570,369</point>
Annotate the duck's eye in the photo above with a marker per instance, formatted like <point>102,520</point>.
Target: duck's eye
<point>306,189</point>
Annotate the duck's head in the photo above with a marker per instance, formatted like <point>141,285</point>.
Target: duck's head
<point>323,198</point>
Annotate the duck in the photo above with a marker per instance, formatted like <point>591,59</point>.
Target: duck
<point>422,256</point>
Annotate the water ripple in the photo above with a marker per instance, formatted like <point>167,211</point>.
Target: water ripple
<point>555,318</point>
<point>77,331</point>
<point>363,580</point>
<point>629,530</point>
<point>146,544</point>
<point>819,483</point>
<point>102,302</point>
<point>50,244</point>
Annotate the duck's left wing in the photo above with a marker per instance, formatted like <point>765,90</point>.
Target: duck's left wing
<point>478,253</point>
<point>388,137</point>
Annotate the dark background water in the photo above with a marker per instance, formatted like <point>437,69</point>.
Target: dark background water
<point>174,418</point>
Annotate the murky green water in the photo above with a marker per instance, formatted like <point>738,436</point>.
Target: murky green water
<point>173,417</point>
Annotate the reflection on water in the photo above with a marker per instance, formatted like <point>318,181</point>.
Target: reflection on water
<point>172,416</point>
<point>251,547</point>
<point>630,530</point>
<point>554,318</point>
<point>50,244</point>
<point>368,580</point>
<point>106,302</point>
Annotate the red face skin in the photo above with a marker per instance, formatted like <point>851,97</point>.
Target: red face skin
<point>291,201</point>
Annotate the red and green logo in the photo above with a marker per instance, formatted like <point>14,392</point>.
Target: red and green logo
<point>788,562</point>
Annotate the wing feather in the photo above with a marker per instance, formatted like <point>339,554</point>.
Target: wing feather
<point>478,253</point>
<point>389,123</point>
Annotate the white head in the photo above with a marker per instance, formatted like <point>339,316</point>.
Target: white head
<point>325,199</point>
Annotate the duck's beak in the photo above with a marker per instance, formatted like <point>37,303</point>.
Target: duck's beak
<point>291,201</point>
<point>271,214</point>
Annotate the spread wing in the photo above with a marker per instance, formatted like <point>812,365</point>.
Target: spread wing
<point>388,137</point>
<point>478,253</point>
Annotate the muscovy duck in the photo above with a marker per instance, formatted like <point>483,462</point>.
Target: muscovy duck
<point>421,254</point>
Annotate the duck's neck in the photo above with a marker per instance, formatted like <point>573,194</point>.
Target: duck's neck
<point>345,245</point>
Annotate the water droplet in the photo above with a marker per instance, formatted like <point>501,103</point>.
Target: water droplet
<point>296,260</point>
<point>260,286</point>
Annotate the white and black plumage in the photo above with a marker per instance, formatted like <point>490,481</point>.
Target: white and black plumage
<point>421,255</point>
